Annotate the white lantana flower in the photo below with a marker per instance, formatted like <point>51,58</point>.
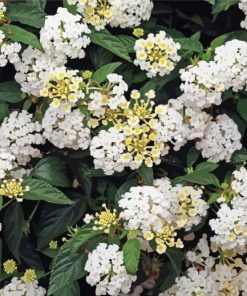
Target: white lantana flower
<point>18,288</point>
<point>6,162</point>
<point>33,70</point>
<point>107,271</point>
<point>117,13</point>
<point>221,139</point>
<point>65,35</point>
<point>243,6</point>
<point>8,50</point>
<point>65,130</point>
<point>157,54</point>
<point>19,134</point>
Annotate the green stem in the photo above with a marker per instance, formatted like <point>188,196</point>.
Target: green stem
<point>33,212</point>
<point>6,204</point>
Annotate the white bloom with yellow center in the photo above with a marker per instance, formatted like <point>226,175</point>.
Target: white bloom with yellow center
<point>157,55</point>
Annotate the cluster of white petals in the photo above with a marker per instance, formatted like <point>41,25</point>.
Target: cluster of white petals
<point>107,271</point>
<point>243,6</point>
<point>6,161</point>
<point>64,35</point>
<point>65,129</point>
<point>209,277</point>
<point>239,183</point>
<point>18,288</point>
<point>19,133</point>
<point>220,140</point>
<point>151,209</point>
<point>157,54</point>
<point>204,82</point>
<point>33,70</point>
<point>117,13</point>
<point>8,50</point>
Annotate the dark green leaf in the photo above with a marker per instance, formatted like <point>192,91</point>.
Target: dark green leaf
<point>100,56</point>
<point>223,5</point>
<point>4,111</point>
<point>131,254</point>
<point>242,108</point>
<point>12,227</point>
<point>202,178</point>
<point>146,174</point>
<point>66,269</point>
<point>213,197</point>
<point>53,171</point>
<point>71,8</point>
<point>73,289</point>
<point>192,156</point>
<point>41,190</point>
<point>176,257</point>
<point>37,3</point>
<point>10,92</point>
<point>191,44</point>
<point>54,219</point>
<point>83,235</point>
<point>26,14</point>
<point>239,156</point>
<point>128,42</point>
<point>20,35</point>
<point>206,166</point>
<point>124,188</point>
<point>101,74</point>
<point>108,41</point>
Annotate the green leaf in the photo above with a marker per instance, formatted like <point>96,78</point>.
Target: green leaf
<point>73,289</point>
<point>242,108</point>
<point>83,235</point>
<point>18,34</point>
<point>66,269</point>
<point>101,74</point>
<point>201,177</point>
<point>192,156</point>
<point>54,219</point>
<point>112,43</point>
<point>52,170</point>
<point>218,41</point>
<point>10,92</point>
<point>191,44</point>
<point>71,8</point>
<point>239,156</point>
<point>37,3</point>
<point>41,190</point>
<point>12,227</point>
<point>100,56</point>
<point>26,14</point>
<point>131,254</point>
<point>213,197</point>
<point>223,5</point>
<point>4,111</point>
<point>128,41</point>
<point>146,174</point>
<point>206,166</point>
<point>172,269</point>
<point>124,188</point>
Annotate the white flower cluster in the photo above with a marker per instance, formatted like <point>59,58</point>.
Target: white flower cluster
<point>117,13</point>
<point>220,140</point>
<point>157,55</point>
<point>239,183</point>
<point>204,82</point>
<point>18,135</point>
<point>6,162</point>
<point>243,6</point>
<point>65,130</point>
<point>110,98</point>
<point>18,288</point>
<point>63,88</point>
<point>153,210</point>
<point>207,277</point>
<point>64,35</point>
<point>106,149</point>
<point>8,50</point>
<point>33,69</point>
<point>107,271</point>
